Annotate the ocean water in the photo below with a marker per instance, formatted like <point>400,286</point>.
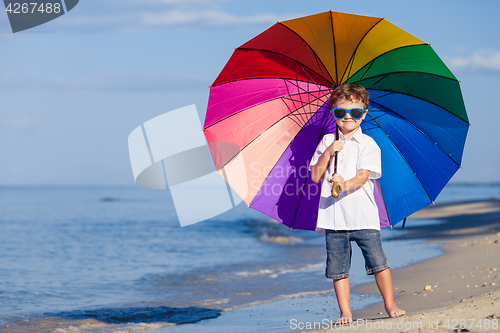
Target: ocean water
<point>108,259</point>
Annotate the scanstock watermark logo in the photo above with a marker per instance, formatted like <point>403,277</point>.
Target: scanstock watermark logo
<point>171,151</point>
<point>31,13</point>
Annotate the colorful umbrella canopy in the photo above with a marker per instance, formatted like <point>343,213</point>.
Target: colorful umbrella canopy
<point>268,109</point>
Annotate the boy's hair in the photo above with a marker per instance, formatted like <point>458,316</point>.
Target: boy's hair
<point>350,92</point>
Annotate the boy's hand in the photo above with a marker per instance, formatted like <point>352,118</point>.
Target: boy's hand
<point>337,178</point>
<point>337,145</point>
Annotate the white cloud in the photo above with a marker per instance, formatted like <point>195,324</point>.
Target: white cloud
<point>175,18</point>
<point>482,60</point>
<point>204,18</point>
<point>137,15</point>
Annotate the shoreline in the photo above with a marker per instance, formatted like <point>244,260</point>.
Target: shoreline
<point>464,281</point>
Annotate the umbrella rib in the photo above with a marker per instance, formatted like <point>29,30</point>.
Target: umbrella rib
<point>421,132</point>
<point>295,83</point>
<point>382,78</point>
<point>351,61</point>
<point>300,121</point>
<point>302,113</point>
<point>317,85</point>
<point>402,72</point>
<point>315,56</point>
<point>291,99</point>
<point>310,103</point>
<point>318,66</point>
<point>300,199</point>
<point>323,117</point>
<point>303,123</point>
<point>317,121</point>
<point>388,93</point>
<point>319,63</point>
<point>320,119</point>
<point>285,56</point>
<point>401,154</point>
<point>334,49</point>
<point>380,55</point>
<point>362,76</point>
<point>301,99</point>
<point>314,82</point>
<point>304,104</point>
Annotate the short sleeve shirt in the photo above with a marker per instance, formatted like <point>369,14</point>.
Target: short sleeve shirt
<point>356,209</point>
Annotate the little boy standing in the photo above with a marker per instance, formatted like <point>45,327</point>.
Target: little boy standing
<point>353,216</point>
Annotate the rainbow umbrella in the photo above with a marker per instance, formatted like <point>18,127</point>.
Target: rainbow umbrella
<point>268,109</point>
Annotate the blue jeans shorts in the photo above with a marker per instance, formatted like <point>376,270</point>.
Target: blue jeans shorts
<point>339,251</point>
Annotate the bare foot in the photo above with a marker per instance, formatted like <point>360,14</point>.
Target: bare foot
<point>394,311</point>
<point>344,319</point>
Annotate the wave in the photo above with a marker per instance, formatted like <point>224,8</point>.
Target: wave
<point>274,273</point>
<point>302,294</point>
<point>280,239</point>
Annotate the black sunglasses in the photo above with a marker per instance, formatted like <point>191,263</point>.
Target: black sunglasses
<point>340,113</point>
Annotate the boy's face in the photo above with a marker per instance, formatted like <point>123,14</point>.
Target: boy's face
<point>347,125</point>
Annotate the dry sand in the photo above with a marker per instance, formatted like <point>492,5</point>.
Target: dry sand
<point>464,293</point>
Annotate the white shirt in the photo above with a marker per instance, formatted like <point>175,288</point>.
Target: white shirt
<point>356,209</point>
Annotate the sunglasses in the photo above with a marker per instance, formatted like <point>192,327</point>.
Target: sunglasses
<point>340,113</point>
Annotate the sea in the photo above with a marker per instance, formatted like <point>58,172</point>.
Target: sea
<point>115,259</point>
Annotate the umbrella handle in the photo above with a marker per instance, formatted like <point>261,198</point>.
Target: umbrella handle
<point>335,190</point>
<point>336,187</point>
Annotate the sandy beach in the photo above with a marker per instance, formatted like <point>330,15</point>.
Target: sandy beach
<point>462,291</point>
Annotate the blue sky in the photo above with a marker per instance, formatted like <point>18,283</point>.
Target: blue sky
<point>73,89</point>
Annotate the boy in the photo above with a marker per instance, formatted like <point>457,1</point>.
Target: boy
<point>354,215</point>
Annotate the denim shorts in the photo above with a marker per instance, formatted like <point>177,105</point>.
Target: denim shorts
<point>339,251</point>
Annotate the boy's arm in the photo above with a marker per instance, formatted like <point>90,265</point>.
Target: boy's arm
<point>318,170</point>
<point>353,183</point>
<point>369,167</point>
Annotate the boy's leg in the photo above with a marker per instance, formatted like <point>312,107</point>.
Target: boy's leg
<point>338,262</point>
<point>376,263</point>
<point>384,284</point>
<point>342,291</point>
